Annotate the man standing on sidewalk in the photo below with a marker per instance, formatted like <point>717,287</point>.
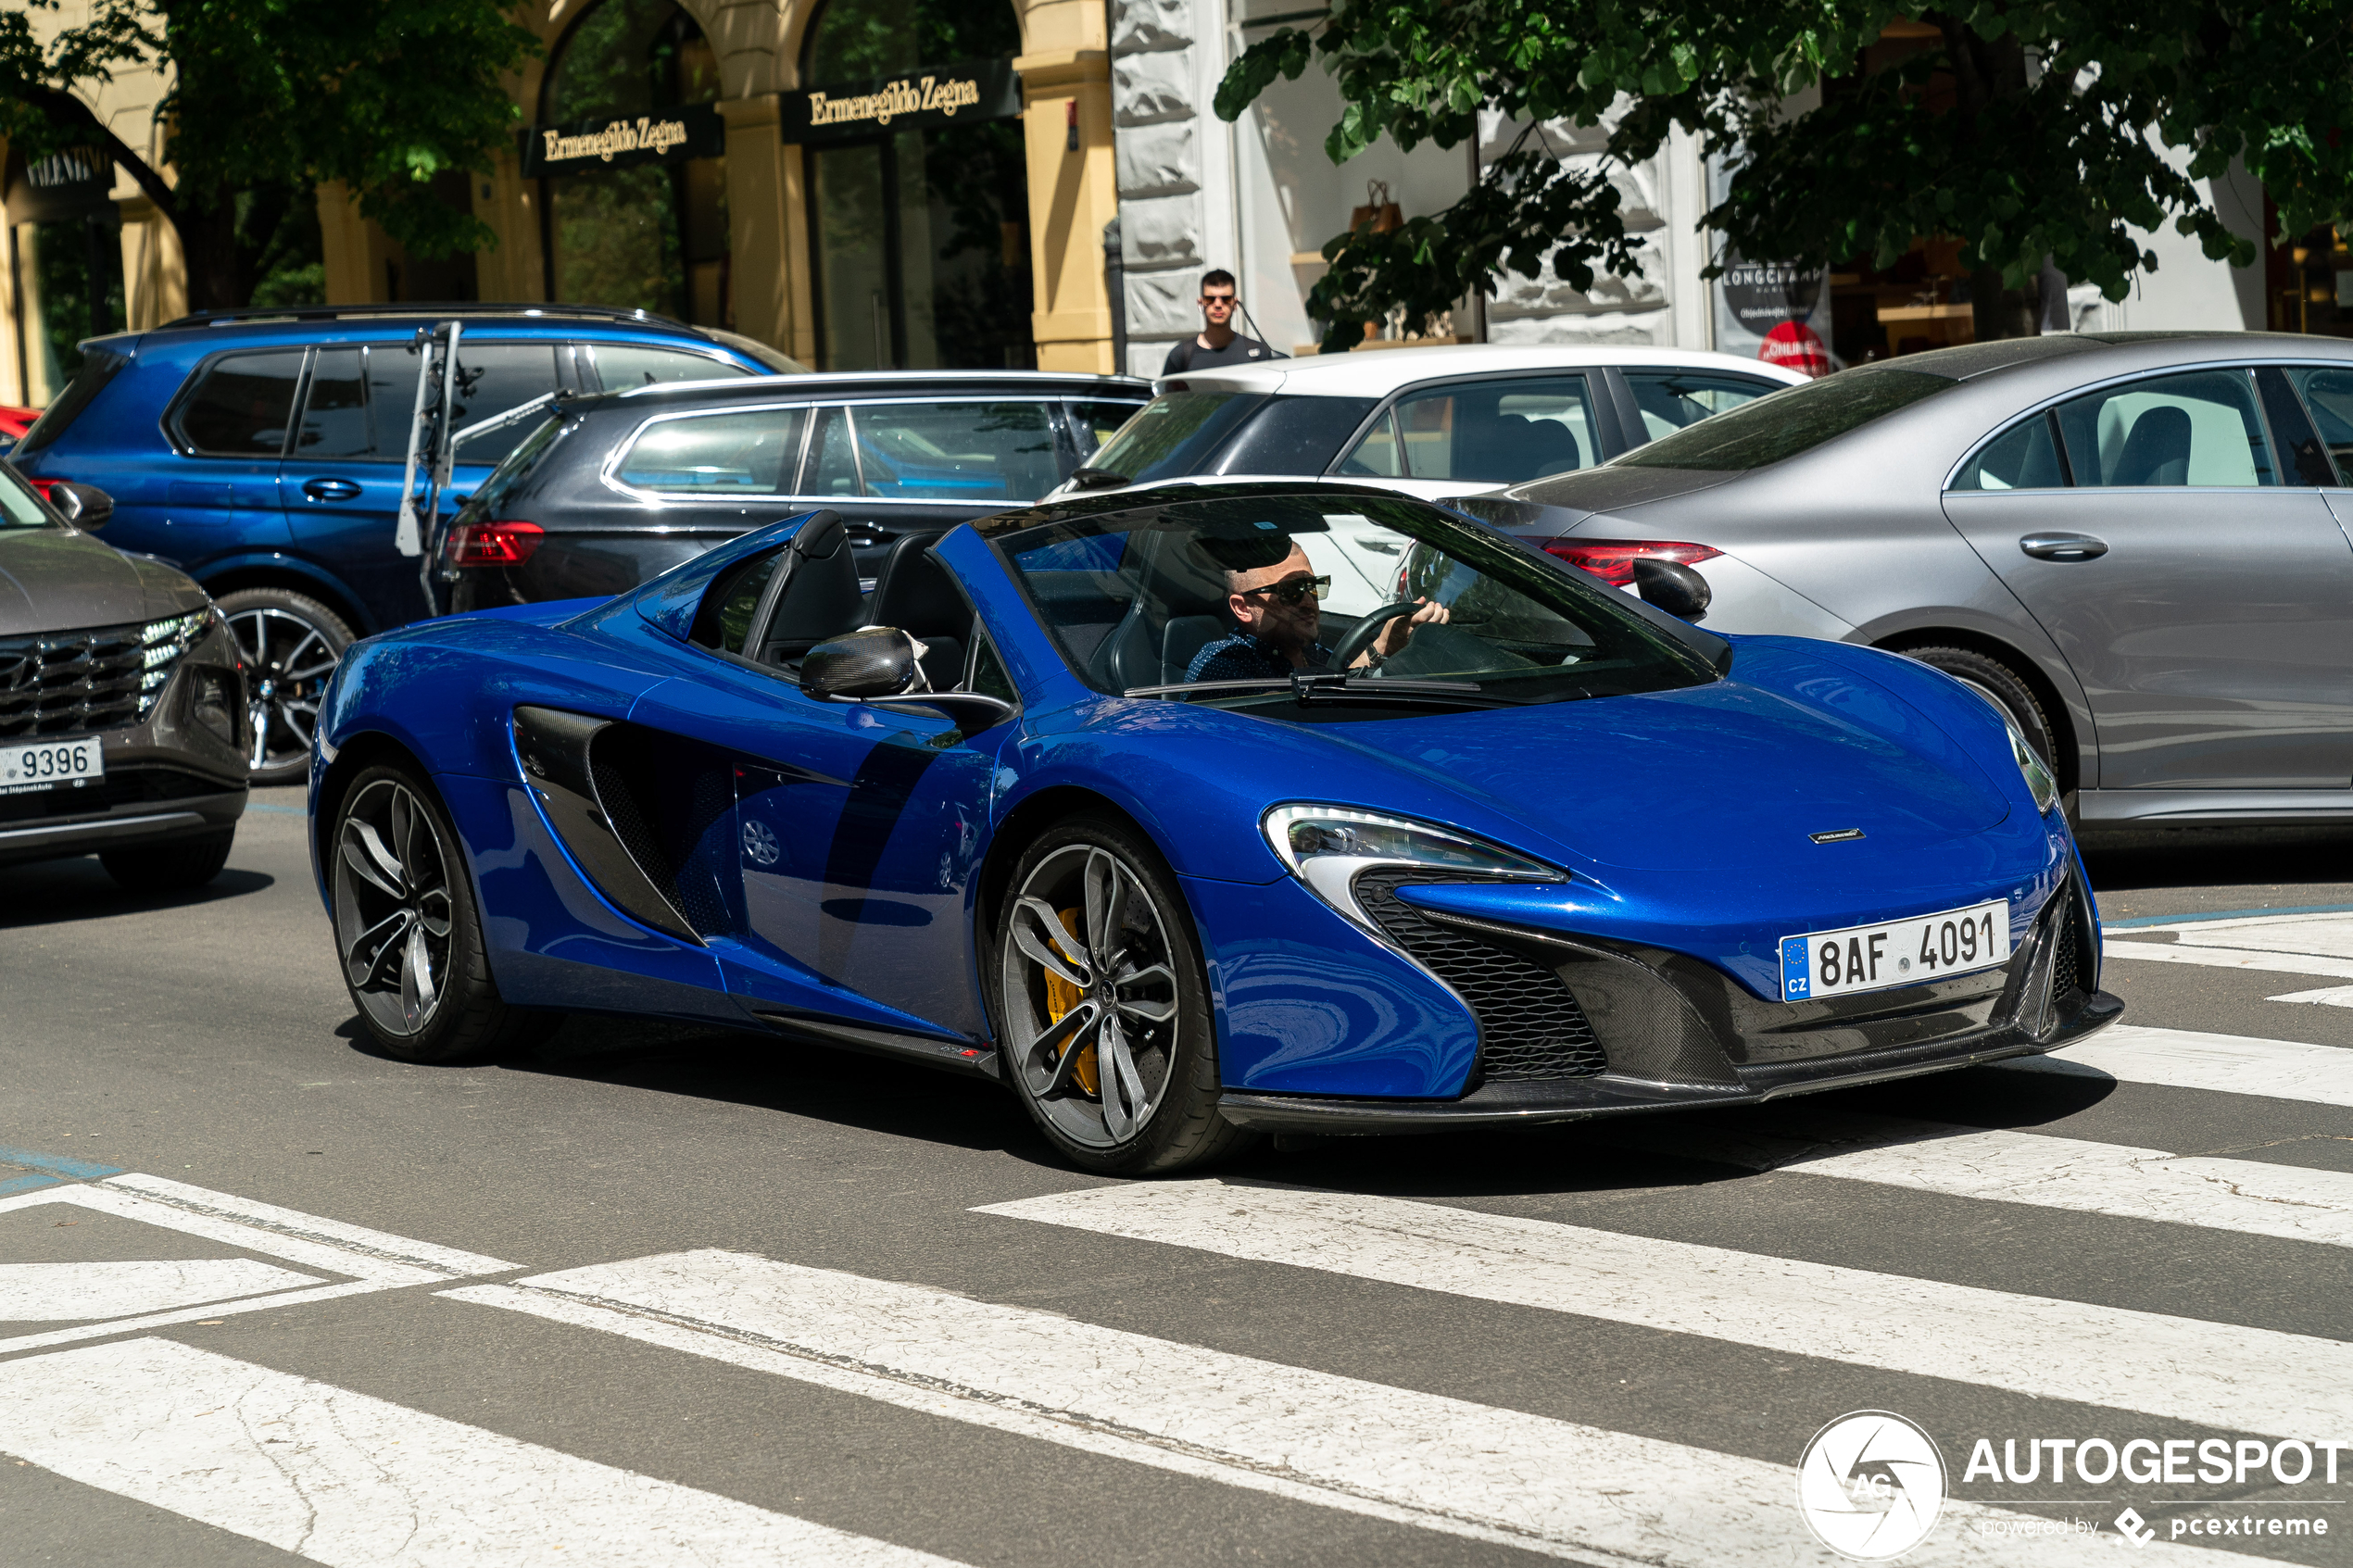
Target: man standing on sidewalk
<point>1217,343</point>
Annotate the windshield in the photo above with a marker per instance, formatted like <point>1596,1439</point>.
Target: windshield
<point>1174,436</point>
<point>1788,422</point>
<point>1375,602</point>
<point>99,366</point>
<point>19,507</point>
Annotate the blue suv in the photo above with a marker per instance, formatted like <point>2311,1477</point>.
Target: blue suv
<point>261,452</point>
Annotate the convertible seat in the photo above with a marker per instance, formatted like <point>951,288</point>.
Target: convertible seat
<point>916,594</point>
<point>816,596</point>
<point>2157,452</point>
<point>1181,606</point>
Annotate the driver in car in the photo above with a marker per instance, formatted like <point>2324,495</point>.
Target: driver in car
<point>1275,607</point>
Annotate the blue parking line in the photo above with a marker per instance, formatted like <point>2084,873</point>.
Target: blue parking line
<point>27,1183</point>
<point>57,1164</point>
<point>281,811</point>
<point>2226,914</point>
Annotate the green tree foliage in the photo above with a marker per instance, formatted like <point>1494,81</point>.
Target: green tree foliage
<point>2024,128</point>
<point>268,98</point>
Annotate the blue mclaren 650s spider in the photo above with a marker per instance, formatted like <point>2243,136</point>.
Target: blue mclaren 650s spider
<point>1192,812</point>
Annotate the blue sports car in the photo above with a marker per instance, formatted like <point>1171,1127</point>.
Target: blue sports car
<point>1192,812</point>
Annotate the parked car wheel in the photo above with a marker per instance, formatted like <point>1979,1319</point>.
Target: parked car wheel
<point>2002,687</point>
<point>174,867</point>
<point>1102,1002</point>
<point>290,645</point>
<point>407,930</point>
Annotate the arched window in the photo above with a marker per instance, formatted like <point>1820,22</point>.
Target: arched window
<point>921,236</point>
<point>652,236</point>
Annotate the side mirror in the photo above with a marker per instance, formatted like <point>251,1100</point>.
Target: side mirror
<point>1673,588</point>
<point>881,664</point>
<point>879,661</point>
<point>84,505</point>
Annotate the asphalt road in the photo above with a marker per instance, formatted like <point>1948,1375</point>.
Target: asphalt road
<point>803,1339</point>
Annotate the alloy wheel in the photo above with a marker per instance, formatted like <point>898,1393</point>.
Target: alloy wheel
<point>288,662</point>
<point>1090,991</point>
<point>393,907</point>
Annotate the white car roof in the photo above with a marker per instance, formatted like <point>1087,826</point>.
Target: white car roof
<point>1378,372</point>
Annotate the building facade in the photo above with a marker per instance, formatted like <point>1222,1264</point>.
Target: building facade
<point>870,183</point>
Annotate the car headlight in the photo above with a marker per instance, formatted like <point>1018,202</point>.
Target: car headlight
<point>1326,846</point>
<point>163,643</point>
<point>2038,775</point>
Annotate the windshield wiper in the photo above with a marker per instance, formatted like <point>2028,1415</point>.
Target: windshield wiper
<point>1325,685</point>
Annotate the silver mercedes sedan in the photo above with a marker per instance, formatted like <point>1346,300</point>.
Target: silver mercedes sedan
<point>2136,544</point>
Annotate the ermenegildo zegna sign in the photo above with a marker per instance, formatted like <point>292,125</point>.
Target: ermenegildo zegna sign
<point>670,136</point>
<point>951,95</point>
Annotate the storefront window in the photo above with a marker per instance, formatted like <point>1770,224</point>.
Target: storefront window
<point>652,236</point>
<point>921,235</point>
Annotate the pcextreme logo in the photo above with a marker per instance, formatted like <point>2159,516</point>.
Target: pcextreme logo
<point>1870,1485</point>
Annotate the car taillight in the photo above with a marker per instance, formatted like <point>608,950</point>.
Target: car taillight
<point>1613,560</point>
<point>492,544</point>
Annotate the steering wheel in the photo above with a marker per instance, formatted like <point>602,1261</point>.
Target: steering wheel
<point>1361,635</point>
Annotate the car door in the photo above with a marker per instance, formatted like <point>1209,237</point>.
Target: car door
<point>342,475</point>
<point>2199,583</point>
<point>857,828</point>
<point>220,487</point>
<point>896,467</point>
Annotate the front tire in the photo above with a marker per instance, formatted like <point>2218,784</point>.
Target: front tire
<point>1101,1004</point>
<point>408,931</point>
<point>291,644</point>
<point>2002,687</point>
<point>174,867</point>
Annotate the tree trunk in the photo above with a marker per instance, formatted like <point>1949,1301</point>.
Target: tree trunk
<point>1995,311</point>
<point>209,240</point>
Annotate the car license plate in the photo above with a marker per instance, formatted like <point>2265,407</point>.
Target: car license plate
<point>1897,952</point>
<point>51,764</point>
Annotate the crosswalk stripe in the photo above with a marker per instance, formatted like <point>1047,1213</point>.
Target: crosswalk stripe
<point>2185,1059</point>
<point>2228,958</point>
<point>2227,1376</point>
<point>2251,1198</point>
<point>31,1292</point>
<point>1440,1463</point>
<point>2327,995</point>
<point>344,1478</point>
<point>291,1223</point>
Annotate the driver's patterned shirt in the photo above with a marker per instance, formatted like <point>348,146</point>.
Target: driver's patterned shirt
<point>1243,657</point>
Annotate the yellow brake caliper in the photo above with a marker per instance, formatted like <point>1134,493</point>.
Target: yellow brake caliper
<point>1060,996</point>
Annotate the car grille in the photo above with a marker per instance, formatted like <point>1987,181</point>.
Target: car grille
<point>1529,1024</point>
<point>70,682</point>
<point>2065,974</point>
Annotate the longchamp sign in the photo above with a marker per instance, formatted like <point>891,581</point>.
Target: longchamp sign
<point>928,95</point>
<point>671,136</point>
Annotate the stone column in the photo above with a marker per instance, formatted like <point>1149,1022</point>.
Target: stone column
<point>761,275</point>
<point>1073,191</point>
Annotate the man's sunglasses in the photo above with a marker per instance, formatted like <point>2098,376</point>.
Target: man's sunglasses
<point>1291,590</point>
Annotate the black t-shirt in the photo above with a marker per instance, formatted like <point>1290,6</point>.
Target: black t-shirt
<point>1191,356</point>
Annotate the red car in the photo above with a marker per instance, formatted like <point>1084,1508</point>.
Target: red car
<point>14,422</point>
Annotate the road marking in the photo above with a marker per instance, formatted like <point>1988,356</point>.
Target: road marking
<point>2219,1374</point>
<point>2327,935</point>
<point>310,1227</point>
<point>32,1292</point>
<point>2251,1198</point>
<point>55,1164</point>
<point>2179,923</point>
<point>2183,1058</point>
<point>2331,996</point>
<point>1426,1460</point>
<point>107,1198</point>
<point>2229,957</point>
<point>342,1478</point>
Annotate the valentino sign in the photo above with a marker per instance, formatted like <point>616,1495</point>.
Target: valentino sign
<point>951,95</point>
<point>690,130</point>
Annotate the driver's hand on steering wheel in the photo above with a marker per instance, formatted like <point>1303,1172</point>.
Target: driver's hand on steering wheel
<point>1399,630</point>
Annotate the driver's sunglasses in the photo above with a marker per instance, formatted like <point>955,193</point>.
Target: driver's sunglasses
<point>1291,590</point>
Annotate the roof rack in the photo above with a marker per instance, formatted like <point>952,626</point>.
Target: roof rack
<point>458,307</point>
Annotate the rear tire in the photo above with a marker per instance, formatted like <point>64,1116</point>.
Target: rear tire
<point>408,931</point>
<point>291,644</point>
<point>2002,687</point>
<point>1116,1065</point>
<point>174,867</point>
